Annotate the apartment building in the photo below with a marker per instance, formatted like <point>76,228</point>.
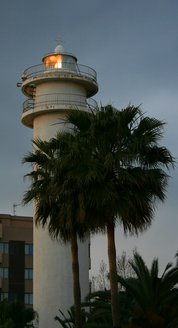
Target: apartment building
<point>16,259</point>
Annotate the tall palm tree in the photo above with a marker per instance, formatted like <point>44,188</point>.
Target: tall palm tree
<point>58,204</point>
<point>123,173</point>
<point>154,298</point>
<point>112,166</point>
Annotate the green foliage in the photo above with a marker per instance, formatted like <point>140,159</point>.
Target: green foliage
<point>66,321</point>
<point>118,159</point>
<point>148,301</point>
<point>96,312</point>
<point>154,298</point>
<point>15,315</point>
<point>58,201</point>
<point>57,197</point>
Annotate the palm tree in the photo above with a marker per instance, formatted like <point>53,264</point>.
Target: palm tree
<point>109,168</point>
<point>122,172</point>
<point>96,311</point>
<point>58,202</point>
<point>154,298</point>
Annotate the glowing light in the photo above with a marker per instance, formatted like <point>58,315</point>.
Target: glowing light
<point>53,61</point>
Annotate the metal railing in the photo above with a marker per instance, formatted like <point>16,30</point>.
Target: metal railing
<point>48,100</point>
<point>77,69</point>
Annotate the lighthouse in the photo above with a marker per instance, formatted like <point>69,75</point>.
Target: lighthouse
<point>53,88</point>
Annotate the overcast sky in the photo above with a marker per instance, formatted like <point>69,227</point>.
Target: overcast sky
<point>133,46</point>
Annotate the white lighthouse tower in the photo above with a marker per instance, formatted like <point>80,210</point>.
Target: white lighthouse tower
<point>52,89</point>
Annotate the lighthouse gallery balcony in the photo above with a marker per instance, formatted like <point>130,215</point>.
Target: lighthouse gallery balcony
<point>67,71</point>
<point>50,101</point>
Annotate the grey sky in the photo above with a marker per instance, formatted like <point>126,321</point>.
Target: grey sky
<point>133,45</point>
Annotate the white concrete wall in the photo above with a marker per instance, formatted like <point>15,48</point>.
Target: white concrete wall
<point>53,285</point>
<point>60,87</point>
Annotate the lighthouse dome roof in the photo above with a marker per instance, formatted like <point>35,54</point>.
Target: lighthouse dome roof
<point>59,49</point>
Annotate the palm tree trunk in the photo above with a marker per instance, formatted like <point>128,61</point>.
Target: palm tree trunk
<point>76,282</point>
<point>113,275</point>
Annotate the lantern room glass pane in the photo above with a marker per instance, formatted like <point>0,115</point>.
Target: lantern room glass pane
<point>60,61</point>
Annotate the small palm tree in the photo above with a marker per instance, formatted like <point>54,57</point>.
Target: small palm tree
<point>66,321</point>
<point>154,298</point>
<point>96,312</point>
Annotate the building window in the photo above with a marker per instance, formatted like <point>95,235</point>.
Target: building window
<point>28,298</point>
<point>4,248</point>
<point>13,296</point>
<point>3,296</point>
<point>3,272</point>
<point>28,274</point>
<point>28,249</point>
